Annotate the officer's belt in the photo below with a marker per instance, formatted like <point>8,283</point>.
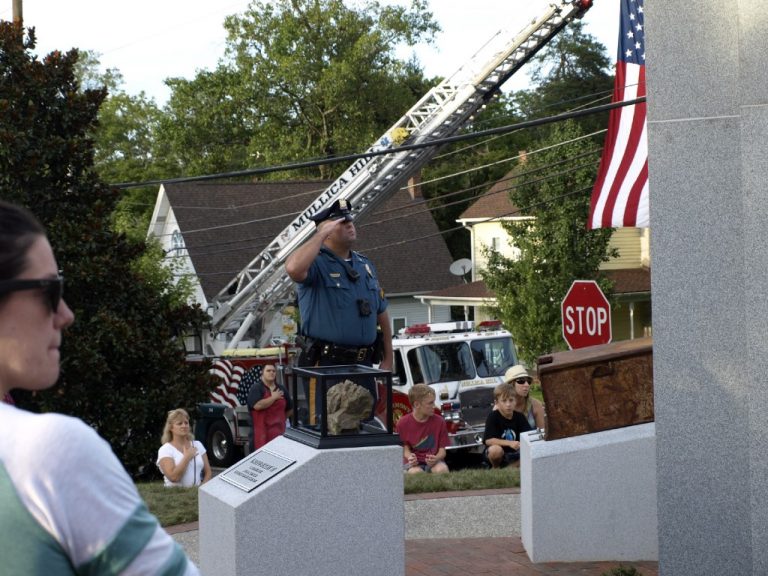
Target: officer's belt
<point>343,354</point>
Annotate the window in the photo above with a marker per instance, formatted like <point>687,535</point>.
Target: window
<point>493,356</point>
<point>436,363</point>
<point>398,324</point>
<point>177,243</point>
<point>398,368</point>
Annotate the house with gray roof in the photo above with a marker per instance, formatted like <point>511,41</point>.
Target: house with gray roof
<point>213,230</point>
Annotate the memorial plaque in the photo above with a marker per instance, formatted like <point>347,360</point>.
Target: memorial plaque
<point>256,469</point>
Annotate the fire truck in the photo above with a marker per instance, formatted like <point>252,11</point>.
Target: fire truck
<point>263,286</point>
<point>461,361</point>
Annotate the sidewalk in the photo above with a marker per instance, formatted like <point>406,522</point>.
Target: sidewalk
<point>464,533</point>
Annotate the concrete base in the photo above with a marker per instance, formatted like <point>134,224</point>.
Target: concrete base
<point>591,497</point>
<point>334,512</point>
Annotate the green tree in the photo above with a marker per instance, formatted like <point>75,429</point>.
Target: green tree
<point>555,245</point>
<point>572,71</point>
<point>301,79</point>
<point>462,172</point>
<point>123,364</point>
<point>125,139</point>
<point>206,127</point>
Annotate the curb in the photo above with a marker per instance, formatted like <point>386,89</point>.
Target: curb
<point>192,526</point>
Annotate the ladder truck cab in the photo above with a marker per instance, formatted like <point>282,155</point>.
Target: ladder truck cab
<point>463,363</point>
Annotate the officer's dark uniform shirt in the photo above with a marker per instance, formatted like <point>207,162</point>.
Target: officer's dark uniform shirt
<point>328,301</point>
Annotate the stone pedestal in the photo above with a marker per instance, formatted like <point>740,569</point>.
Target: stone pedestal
<point>591,497</point>
<point>332,512</point>
<point>708,159</point>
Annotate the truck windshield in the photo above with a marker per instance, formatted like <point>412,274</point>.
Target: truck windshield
<point>493,356</point>
<point>447,362</point>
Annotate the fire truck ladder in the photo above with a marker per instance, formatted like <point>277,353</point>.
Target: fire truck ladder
<point>370,180</point>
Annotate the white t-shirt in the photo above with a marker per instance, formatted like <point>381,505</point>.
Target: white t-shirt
<point>67,504</point>
<point>194,472</point>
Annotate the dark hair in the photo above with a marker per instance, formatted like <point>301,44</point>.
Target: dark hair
<point>18,231</point>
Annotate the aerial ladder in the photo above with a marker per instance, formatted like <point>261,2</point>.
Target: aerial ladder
<point>370,180</point>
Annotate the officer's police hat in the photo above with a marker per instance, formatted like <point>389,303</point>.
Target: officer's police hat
<point>339,209</point>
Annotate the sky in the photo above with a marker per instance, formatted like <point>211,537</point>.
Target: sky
<point>151,40</point>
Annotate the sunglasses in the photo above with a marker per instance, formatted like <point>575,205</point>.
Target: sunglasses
<point>52,287</point>
<point>522,381</point>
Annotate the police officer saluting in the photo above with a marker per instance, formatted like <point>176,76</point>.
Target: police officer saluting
<point>340,300</point>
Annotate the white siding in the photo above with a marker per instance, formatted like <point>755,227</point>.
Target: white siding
<point>163,226</point>
<point>486,234</point>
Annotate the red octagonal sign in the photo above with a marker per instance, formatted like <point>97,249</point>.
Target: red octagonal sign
<point>586,315</point>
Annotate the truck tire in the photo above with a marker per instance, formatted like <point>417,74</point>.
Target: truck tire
<point>221,448</point>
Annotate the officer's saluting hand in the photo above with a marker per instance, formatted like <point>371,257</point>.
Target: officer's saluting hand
<point>340,299</point>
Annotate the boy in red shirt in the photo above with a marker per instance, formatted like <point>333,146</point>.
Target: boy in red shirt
<point>423,433</point>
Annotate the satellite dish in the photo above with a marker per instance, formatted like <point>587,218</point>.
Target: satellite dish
<point>461,267</point>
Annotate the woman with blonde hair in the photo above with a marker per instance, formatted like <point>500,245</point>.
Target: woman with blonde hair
<point>181,458</point>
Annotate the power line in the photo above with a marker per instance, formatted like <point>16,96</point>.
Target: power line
<point>439,233</point>
<point>257,220</point>
<point>403,148</point>
<point>415,212</point>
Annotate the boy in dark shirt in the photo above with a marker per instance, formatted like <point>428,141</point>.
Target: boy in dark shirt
<point>503,428</point>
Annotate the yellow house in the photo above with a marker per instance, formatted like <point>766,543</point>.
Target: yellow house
<point>630,272</point>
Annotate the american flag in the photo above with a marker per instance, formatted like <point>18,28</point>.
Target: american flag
<point>227,391</point>
<point>620,195</point>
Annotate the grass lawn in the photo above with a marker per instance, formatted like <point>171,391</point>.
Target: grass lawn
<point>179,505</point>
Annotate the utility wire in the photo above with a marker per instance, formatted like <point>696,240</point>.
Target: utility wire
<point>420,202</point>
<point>417,212</point>
<point>402,148</point>
<point>439,233</point>
<point>257,220</point>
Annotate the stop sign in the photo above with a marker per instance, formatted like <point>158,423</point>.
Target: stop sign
<point>586,315</point>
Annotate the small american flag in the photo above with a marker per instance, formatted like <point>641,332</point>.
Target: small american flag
<point>227,391</point>
<point>620,195</point>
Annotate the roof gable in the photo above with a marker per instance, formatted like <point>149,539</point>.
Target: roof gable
<point>495,202</point>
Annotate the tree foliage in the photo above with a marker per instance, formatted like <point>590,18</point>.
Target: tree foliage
<point>125,143</point>
<point>301,79</point>
<point>555,246</point>
<point>462,172</point>
<point>123,366</point>
<point>572,71</point>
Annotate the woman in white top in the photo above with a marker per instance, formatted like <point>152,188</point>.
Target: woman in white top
<point>181,458</point>
<point>67,505</point>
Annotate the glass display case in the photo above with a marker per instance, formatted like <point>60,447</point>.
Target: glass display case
<point>342,407</point>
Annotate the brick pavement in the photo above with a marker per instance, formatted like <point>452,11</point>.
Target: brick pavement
<point>496,557</point>
<point>482,556</point>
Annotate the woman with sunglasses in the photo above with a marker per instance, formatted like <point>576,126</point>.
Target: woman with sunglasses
<point>531,408</point>
<point>67,505</point>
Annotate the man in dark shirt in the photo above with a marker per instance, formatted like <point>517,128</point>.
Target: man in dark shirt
<point>341,302</point>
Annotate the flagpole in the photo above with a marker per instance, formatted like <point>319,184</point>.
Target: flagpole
<point>18,16</point>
